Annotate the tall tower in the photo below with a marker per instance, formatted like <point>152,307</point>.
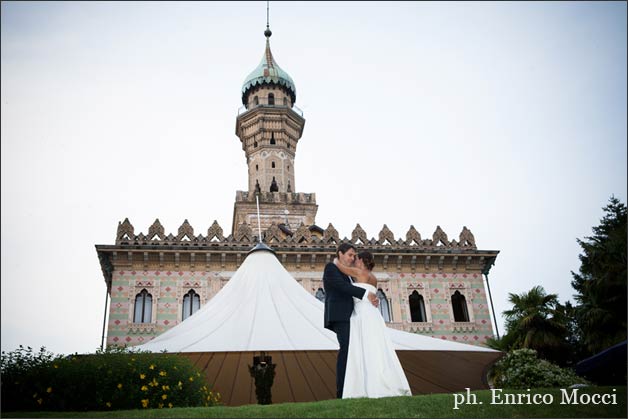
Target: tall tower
<point>269,128</point>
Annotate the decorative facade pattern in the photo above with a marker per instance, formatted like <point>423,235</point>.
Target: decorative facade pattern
<point>169,266</point>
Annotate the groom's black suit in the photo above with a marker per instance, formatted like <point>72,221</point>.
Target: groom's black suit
<point>339,293</point>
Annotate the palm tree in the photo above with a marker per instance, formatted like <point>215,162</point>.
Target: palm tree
<point>537,321</point>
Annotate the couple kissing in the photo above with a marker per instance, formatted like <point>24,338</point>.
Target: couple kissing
<point>367,365</point>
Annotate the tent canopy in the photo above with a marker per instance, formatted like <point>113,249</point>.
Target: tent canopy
<point>263,308</point>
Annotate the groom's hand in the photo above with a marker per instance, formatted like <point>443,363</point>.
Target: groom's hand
<point>373,299</point>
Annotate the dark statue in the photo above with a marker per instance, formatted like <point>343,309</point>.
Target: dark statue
<point>273,186</point>
<point>263,371</point>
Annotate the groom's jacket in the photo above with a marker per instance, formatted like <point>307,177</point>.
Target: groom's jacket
<point>339,293</point>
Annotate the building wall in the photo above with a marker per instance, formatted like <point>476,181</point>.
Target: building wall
<point>167,289</point>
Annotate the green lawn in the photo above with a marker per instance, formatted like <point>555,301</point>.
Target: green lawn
<point>423,406</point>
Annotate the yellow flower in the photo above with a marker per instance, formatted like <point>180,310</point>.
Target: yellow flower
<point>165,388</point>
<point>49,390</point>
<point>170,405</point>
<point>142,376</point>
<point>108,404</point>
<point>160,405</point>
<point>198,374</point>
<point>162,373</point>
<point>132,359</point>
<point>180,384</point>
<point>120,386</point>
<point>40,401</point>
<point>191,378</point>
<point>56,366</point>
<point>164,396</point>
<point>152,367</point>
<point>153,383</point>
<point>144,402</point>
<point>144,388</point>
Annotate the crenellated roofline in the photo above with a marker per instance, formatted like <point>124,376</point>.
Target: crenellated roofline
<point>307,248</point>
<point>304,236</point>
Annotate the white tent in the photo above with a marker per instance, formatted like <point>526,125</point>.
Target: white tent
<point>263,308</point>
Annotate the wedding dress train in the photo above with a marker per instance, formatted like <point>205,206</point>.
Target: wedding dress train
<point>373,368</point>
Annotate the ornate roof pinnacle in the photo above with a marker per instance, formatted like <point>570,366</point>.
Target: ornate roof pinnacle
<point>268,72</point>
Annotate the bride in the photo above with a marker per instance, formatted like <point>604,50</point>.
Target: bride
<point>373,369</point>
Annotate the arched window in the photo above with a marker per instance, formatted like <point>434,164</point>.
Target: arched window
<point>384,308</point>
<point>272,164</point>
<point>191,303</point>
<point>285,101</point>
<point>271,99</point>
<point>417,307</point>
<point>143,307</point>
<point>320,294</point>
<point>272,138</point>
<point>255,144</point>
<point>256,167</point>
<point>459,305</point>
<point>256,101</point>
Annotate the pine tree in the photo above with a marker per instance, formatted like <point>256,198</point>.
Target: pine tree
<point>601,282</point>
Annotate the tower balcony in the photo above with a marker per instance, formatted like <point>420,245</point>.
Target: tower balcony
<point>242,109</point>
<point>277,197</point>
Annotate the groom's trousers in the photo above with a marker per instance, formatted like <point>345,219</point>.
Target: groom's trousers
<point>342,333</point>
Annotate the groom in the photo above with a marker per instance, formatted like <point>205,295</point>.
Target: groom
<point>339,293</point>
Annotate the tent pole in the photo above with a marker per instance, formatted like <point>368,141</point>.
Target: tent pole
<point>492,308</point>
<point>259,227</point>
<point>104,321</point>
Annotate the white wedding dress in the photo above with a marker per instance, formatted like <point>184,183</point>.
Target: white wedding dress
<point>373,369</point>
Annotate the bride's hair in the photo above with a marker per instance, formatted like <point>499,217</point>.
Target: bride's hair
<point>367,258</point>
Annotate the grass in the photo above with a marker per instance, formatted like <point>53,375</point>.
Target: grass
<point>422,406</point>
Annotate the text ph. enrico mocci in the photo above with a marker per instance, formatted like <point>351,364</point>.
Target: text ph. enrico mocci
<point>567,396</point>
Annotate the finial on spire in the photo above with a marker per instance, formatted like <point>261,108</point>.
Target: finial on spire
<point>267,32</point>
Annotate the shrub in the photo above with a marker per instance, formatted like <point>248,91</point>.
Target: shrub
<point>521,369</point>
<point>117,378</point>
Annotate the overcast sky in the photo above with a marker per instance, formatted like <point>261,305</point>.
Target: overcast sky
<point>507,118</point>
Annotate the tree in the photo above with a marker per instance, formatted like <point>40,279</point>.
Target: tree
<point>576,351</point>
<point>601,281</point>
<point>536,321</point>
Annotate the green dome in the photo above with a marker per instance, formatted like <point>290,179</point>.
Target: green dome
<point>268,72</point>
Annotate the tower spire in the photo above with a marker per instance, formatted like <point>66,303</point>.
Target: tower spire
<point>267,32</point>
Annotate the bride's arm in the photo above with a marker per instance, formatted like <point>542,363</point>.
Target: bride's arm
<point>358,273</point>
